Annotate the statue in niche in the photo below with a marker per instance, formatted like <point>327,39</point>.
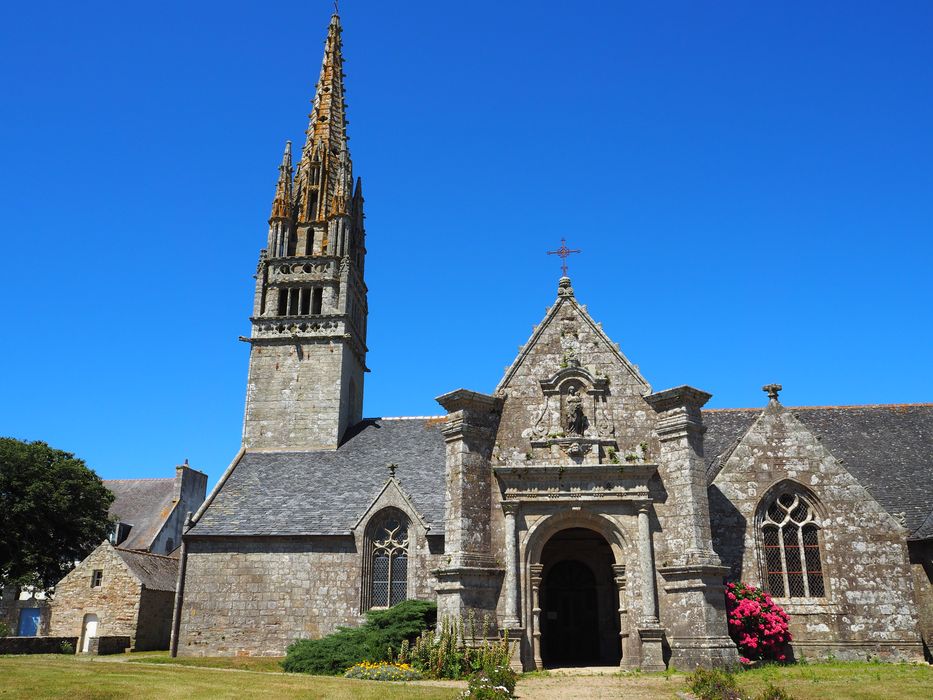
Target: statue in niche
<point>575,419</point>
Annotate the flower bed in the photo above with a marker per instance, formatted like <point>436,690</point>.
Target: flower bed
<point>757,624</point>
<point>383,671</point>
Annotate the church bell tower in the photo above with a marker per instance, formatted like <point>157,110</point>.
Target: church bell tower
<point>308,340</point>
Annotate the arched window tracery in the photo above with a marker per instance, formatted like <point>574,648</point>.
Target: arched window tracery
<point>790,537</point>
<point>385,565</point>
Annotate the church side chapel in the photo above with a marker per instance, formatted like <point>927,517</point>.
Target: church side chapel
<point>594,518</point>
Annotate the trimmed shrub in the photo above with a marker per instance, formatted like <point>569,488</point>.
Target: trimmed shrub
<point>375,640</point>
<point>757,624</point>
<point>382,671</point>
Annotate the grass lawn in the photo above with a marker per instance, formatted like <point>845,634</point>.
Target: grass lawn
<point>51,676</point>
<point>858,681</point>
<point>155,675</point>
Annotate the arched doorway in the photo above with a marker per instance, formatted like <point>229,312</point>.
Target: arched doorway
<point>88,630</point>
<point>579,601</point>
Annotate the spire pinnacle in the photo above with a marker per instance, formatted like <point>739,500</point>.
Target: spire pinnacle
<point>325,172</point>
<point>282,202</point>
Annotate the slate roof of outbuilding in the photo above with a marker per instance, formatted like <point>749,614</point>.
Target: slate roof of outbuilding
<point>142,503</point>
<point>887,448</point>
<point>326,492</point>
<point>156,572</point>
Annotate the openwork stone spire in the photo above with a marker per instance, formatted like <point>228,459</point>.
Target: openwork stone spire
<point>282,202</point>
<point>324,181</point>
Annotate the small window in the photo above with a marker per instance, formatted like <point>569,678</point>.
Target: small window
<point>97,578</point>
<point>317,300</point>
<point>305,302</point>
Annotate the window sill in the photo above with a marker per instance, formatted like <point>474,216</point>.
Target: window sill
<point>811,606</point>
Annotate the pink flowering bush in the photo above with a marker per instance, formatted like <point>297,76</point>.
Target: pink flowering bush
<point>757,624</point>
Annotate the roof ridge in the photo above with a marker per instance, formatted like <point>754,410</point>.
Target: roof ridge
<point>813,408</point>
<point>145,478</point>
<point>148,554</point>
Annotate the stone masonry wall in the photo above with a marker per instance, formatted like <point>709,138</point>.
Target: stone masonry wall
<point>255,596</point>
<point>869,607</point>
<point>154,626</point>
<point>296,394</point>
<point>115,601</point>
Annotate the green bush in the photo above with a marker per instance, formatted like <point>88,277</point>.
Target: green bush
<point>66,648</point>
<point>374,640</point>
<point>774,692</point>
<point>713,684</point>
<point>5,630</point>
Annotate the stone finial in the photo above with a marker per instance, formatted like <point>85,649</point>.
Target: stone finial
<point>772,390</point>
<point>392,467</point>
<point>563,287</point>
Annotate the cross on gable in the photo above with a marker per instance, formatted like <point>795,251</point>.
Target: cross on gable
<point>563,252</point>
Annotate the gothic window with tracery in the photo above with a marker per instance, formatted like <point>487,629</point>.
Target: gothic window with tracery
<point>386,581</point>
<point>790,537</point>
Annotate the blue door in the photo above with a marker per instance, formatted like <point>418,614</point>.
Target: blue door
<point>29,622</point>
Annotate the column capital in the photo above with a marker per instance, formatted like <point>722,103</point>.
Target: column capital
<point>510,507</point>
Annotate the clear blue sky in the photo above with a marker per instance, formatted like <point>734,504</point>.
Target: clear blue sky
<point>751,184</point>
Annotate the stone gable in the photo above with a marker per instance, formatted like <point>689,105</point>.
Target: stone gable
<point>869,596</point>
<point>568,351</point>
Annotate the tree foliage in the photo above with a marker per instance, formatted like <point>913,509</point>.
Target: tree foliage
<point>53,512</point>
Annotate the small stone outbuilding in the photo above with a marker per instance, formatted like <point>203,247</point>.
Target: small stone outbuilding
<point>117,592</point>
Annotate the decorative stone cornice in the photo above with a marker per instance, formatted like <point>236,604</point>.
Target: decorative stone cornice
<point>669,399</point>
<point>592,482</point>
<point>463,399</point>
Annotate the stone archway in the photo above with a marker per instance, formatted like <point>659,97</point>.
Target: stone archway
<point>579,601</point>
<point>598,543</point>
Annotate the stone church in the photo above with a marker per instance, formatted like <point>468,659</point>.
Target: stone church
<point>593,517</point>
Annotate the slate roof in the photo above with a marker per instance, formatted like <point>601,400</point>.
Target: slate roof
<point>326,492</point>
<point>887,448</point>
<point>157,573</point>
<point>142,503</point>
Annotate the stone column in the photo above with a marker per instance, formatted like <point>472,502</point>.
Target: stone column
<point>536,570</point>
<point>694,598</point>
<point>646,560</point>
<point>650,632</point>
<point>511,566</point>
